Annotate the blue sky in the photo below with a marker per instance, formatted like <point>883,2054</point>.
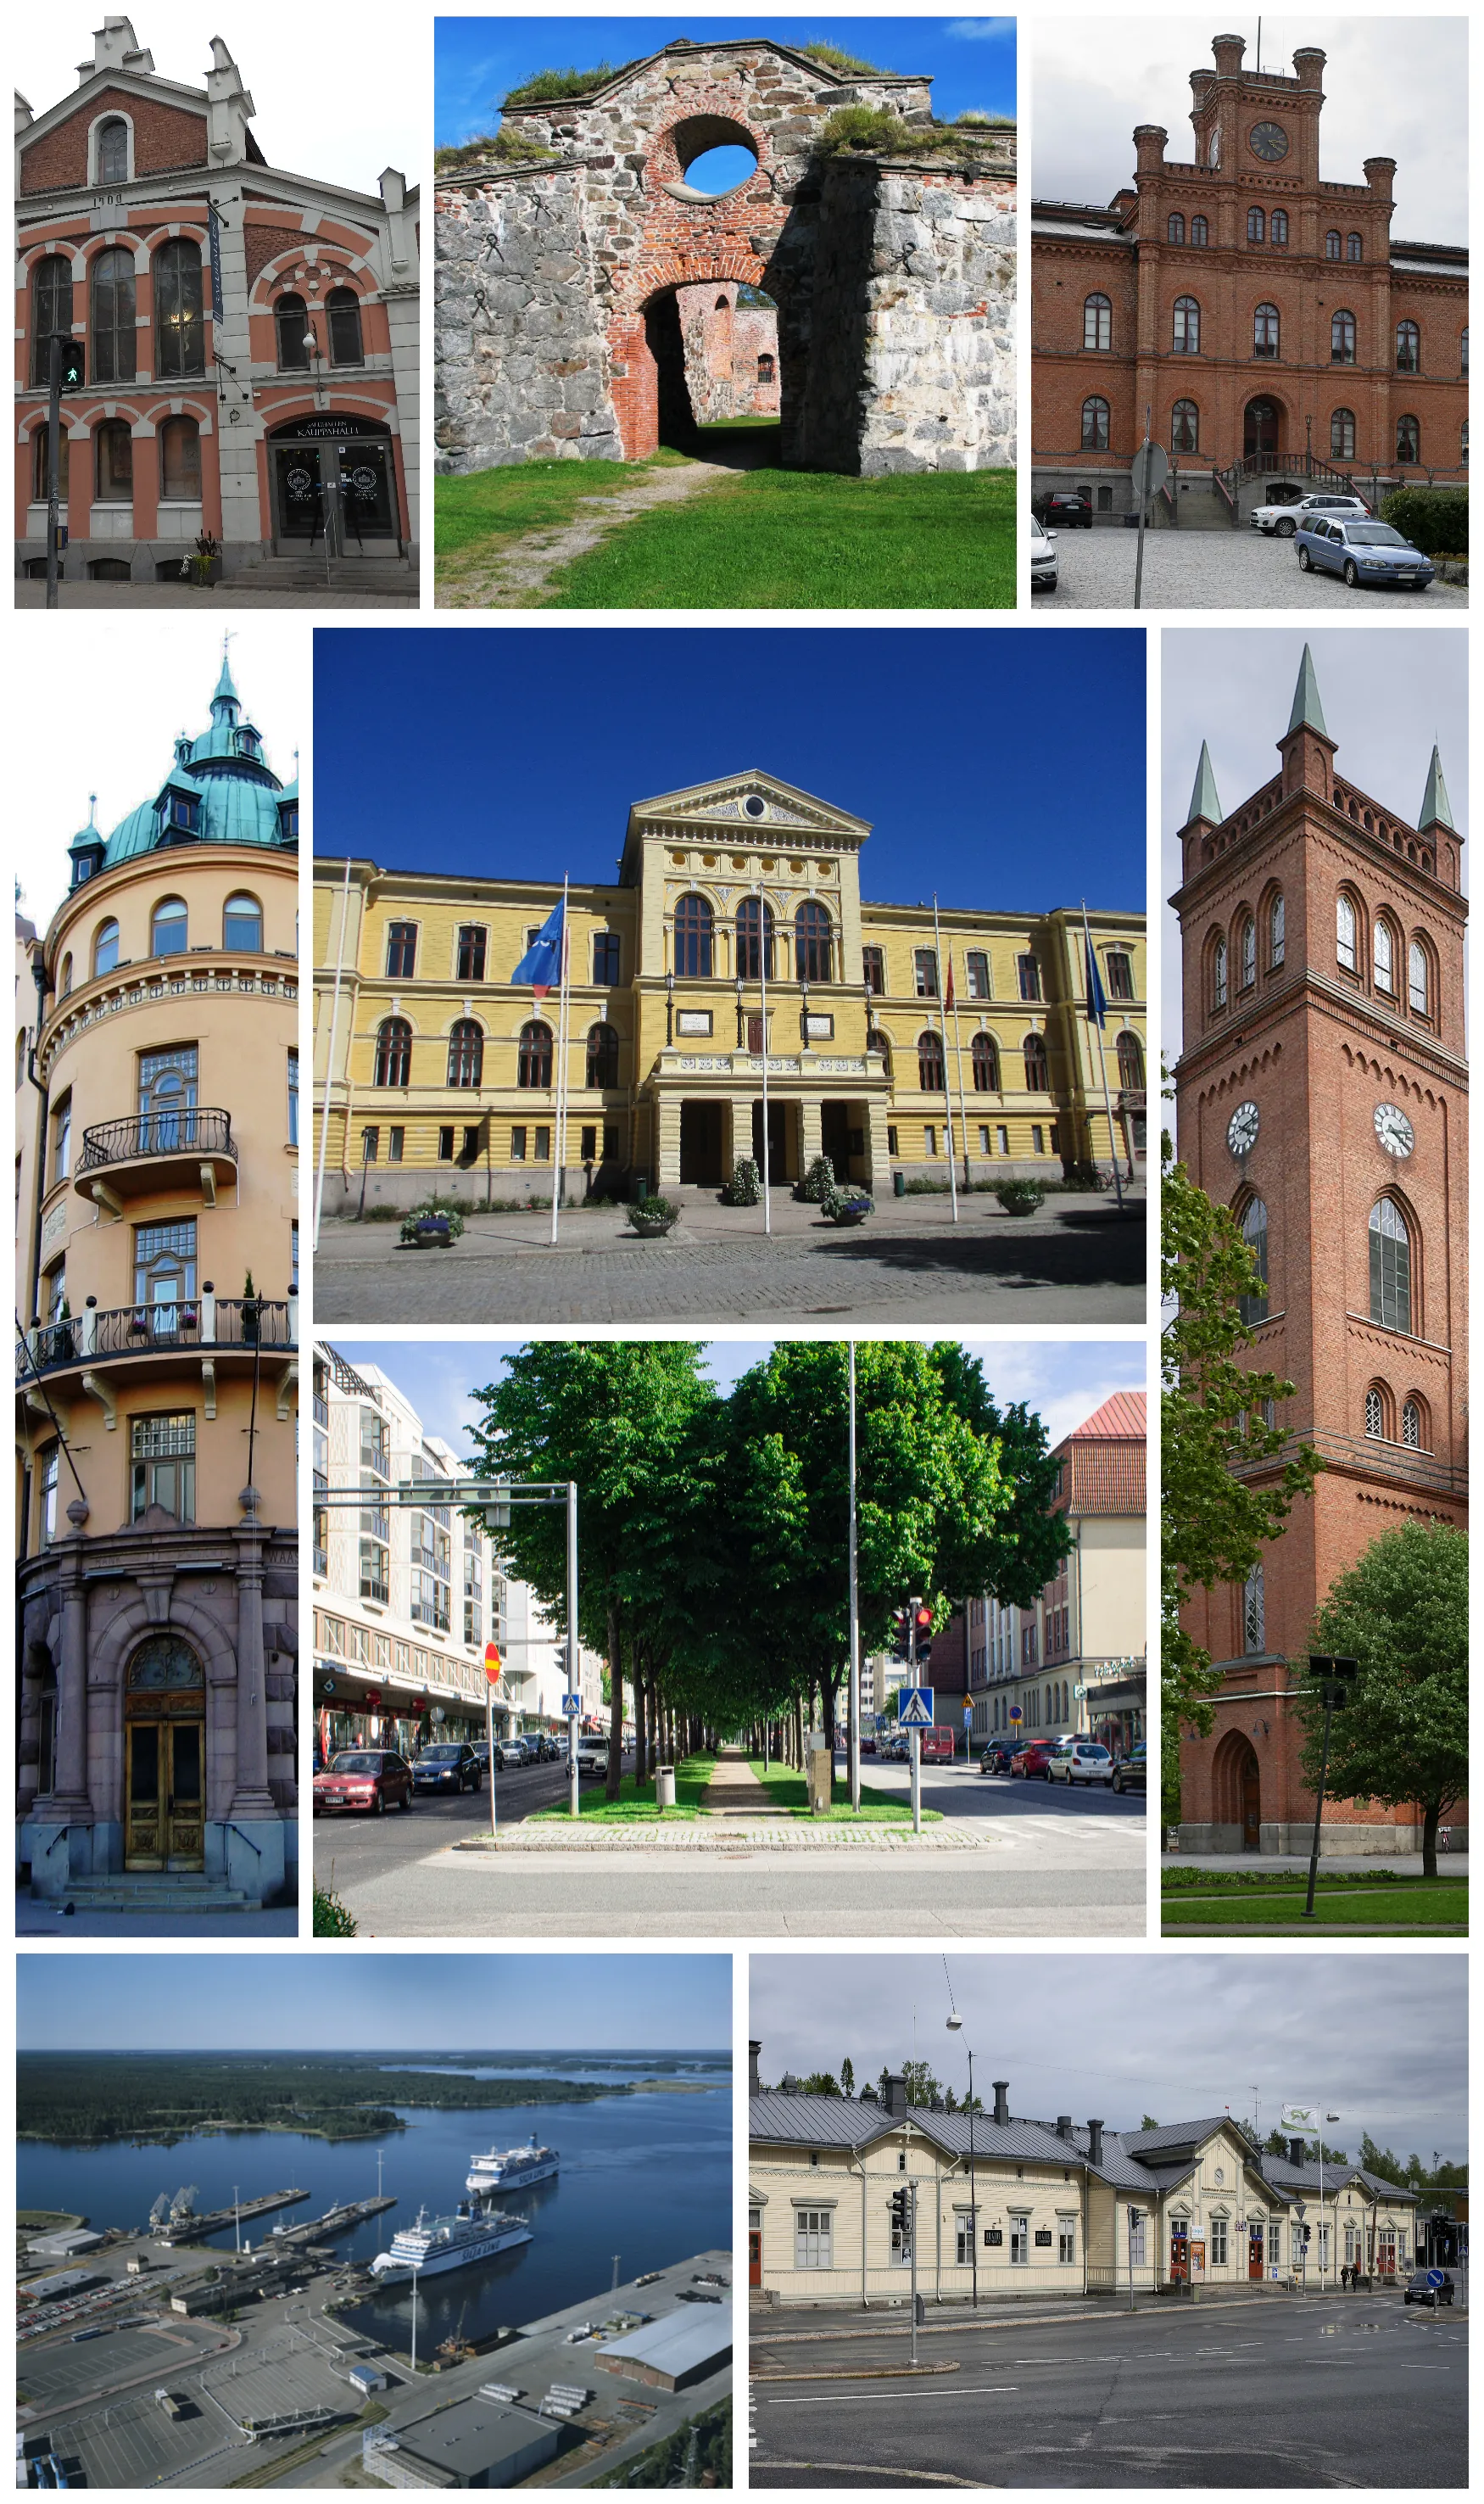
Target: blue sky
<point>970,60</point>
<point>214,2003</point>
<point>1063,1381</point>
<point>1003,766</point>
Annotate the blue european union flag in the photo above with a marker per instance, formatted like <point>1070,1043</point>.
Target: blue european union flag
<point>1098,1004</point>
<point>541,965</point>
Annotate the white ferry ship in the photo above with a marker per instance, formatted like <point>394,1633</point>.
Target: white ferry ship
<point>437,2243</point>
<point>511,2169</point>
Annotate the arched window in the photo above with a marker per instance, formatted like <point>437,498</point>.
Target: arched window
<point>1257,224</point>
<point>1037,1076</point>
<point>64,983</point>
<point>533,1064</point>
<point>180,340</point>
<point>1332,244</point>
<point>242,924</point>
<point>1412,1434</point>
<point>1254,1612</point>
<point>1355,249</point>
<point>342,307</point>
<point>1200,232</point>
<point>465,1053</point>
<point>112,319</point>
<point>766,367</point>
<point>1253,1307</point>
<point>105,948</point>
<point>394,1053</point>
<point>754,937</point>
<point>877,1041</point>
<point>167,927</point>
<point>1418,987</point>
<point>1275,931</point>
<point>113,462</point>
<point>603,1057</point>
<point>1130,1063</point>
<point>1097,322</point>
<point>1175,229</point>
<point>1187,342</point>
<point>693,935</point>
<point>930,1062</point>
<point>1344,935</point>
<point>1342,339</point>
<point>1375,1414</point>
<point>1218,975</point>
<point>1184,426</point>
<point>1278,230</point>
<point>51,311</point>
<point>1408,348</point>
<point>1384,956</point>
<point>1264,330</point>
<point>293,323</point>
<point>985,1060</point>
<point>1408,439</point>
<point>1390,1267</point>
<point>1247,958</point>
<point>1342,435</point>
<point>811,944</point>
<point>1095,425</point>
<point>180,460</point>
<point>113,150</point>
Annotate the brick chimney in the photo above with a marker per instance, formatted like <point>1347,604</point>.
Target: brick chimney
<point>1002,2100</point>
<point>896,2095</point>
<point>1309,65</point>
<point>1096,2141</point>
<point>1150,142</point>
<point>1227,50</point>
<point>754,2079</point>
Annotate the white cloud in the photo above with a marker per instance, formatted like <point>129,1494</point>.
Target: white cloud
<point>981,31</point>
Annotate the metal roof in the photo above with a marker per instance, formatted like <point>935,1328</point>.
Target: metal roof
<point>679,2341</point>
<point>226,770</point>
<point>1436,807</point>
<point>1204,802</point>
<point>1289,2178</point>
<point>1181,2133</point>
<point>1307,710</point>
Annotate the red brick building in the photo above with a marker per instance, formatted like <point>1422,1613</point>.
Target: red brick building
<point>250,336</point>
<point>1265,318</point>
<point>1321,1095</point>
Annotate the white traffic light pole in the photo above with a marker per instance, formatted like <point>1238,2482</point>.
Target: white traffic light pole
<point>854,1739</point>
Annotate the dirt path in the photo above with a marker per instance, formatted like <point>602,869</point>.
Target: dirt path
<point>518,576</point>
<point>734,1790</point>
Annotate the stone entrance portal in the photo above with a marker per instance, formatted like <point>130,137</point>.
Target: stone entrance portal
<point>702,1143</point>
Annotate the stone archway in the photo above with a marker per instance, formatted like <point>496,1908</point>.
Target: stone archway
<point>1236,1793</point>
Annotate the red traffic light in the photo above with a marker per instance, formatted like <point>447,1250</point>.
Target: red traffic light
<point>924,1615</point>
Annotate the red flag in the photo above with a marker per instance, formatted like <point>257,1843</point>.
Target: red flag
<point>947,1002</point>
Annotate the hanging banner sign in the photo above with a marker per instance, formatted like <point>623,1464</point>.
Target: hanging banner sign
<point>214,243</point>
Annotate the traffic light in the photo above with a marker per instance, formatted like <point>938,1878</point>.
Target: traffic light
<point>74,365</point>
<point>901,1632</point>
<point>900,2218</point>
<point>922,1627</point>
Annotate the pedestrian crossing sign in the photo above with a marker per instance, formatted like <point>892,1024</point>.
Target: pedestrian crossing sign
<point>914,1708</point>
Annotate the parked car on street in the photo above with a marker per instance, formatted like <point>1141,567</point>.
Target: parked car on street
<point>1030,1761</point>
<point>868,1743</point>
<point>1130,1773</point>
<point>999,1756</point>
<point>939,1743</point>
<point>1420,2289</point>
<point>508,1753</point>
<point>592,1756</point>
<point>1043,557</point>
<point>1367,555</point>
<point>451,1765</point>
<point>1080,1760</point>
<point>1067,508</point>
<point>1285,515</point>
<point>365,1778</point>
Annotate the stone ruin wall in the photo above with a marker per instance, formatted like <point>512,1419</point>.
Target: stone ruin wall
<point>724,342</point>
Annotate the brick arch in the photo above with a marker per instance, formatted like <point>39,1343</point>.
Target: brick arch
<point>678,142</point>
<point>646,357</point>
<point>1235,1765</point>
<point>274,273</point>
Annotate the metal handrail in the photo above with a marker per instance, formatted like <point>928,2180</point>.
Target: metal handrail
<point>207,1321</point>
<point>180,1129</point>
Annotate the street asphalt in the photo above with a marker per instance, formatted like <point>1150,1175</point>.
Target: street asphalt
<point>1219,569</point>
<point>1271,2392</point>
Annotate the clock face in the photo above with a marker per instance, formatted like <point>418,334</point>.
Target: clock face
<point>1270,141</point>
<point>1393,1130</point>
<point>1242,1129</point>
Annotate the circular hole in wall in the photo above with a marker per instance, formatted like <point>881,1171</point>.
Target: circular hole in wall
<point>718,171</point>
<point>715,155</point>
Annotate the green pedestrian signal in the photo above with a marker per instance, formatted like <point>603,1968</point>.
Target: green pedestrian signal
<point>74,374</point>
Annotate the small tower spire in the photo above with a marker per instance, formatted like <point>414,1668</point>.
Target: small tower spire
<point>1308,713</point>
<point>1204,799</point>
<point>1436,807</point>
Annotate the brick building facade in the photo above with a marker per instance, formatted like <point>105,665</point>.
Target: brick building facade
<point>1321,1095</point>
<point>731,341</point>
<point>250,336</point>
<point>1264,317</point>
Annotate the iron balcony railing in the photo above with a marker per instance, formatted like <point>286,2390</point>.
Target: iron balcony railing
<point>207,1321</point>
<point>192,1129</point>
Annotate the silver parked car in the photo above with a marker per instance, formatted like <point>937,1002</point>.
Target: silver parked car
<point>1043,557</point>
<point>1281,521</point>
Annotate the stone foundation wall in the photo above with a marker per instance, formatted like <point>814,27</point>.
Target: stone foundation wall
<point>522,361</point>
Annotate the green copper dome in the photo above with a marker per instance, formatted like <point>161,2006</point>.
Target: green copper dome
<point>220,789</point>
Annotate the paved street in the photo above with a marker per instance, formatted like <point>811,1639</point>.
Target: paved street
<point>1217,570</point>
<point>1012,1860</point>
<point>1074,1260</point>
<point>1272,2393</point>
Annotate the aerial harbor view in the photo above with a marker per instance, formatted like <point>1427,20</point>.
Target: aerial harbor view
<point>345,2265</point>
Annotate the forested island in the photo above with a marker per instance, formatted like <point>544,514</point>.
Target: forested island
<point>90,2098</point>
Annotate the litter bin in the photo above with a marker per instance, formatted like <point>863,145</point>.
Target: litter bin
<point>899,1186</point>
<point>664,1787</point>
<point>642,1186</point>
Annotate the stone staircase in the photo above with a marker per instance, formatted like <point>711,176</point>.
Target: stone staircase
<point>155,1890</point>
<point>368,578</point>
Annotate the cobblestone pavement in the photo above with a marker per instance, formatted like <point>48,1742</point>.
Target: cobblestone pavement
<point>1217,570</point>
<point>1075,1261</point>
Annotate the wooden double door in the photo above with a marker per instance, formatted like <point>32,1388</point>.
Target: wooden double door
<point>164,1790</point>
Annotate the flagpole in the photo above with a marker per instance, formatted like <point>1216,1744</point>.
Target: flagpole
<point>1088,971</point>
<point>561,1085</point>
<point>762,963</point>
<point>958,1063</point>
<point>947,1093</point>
<point>855,1755</point>
<point>330,1065</point>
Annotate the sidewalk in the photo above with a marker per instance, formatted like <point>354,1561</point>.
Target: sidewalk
<point>742,1831</point>
<point>736,1791</point>
<point>1258,1864</point>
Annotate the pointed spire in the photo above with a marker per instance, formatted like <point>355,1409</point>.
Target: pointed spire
<point>226,692</point>
<point>1204,802</point>
<point>1308,713</point>
<point>1436,807</point>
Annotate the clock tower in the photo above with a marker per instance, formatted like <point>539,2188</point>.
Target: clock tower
<point>1322,1095</point>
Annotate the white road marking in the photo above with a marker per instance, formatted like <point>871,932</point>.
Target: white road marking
<point>833,2399</point>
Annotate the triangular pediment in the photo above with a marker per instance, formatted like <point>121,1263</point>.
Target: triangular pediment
<point>725,803</point>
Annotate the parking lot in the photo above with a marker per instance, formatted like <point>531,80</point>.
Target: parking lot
<point>1217,570</point>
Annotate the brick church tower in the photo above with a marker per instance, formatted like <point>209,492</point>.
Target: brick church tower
<point>1322,1095</point>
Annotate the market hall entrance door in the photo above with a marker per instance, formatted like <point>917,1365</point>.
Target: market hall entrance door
<point>164,1708</point>
<point>1254,2251</point>
<point>777,1135</point>
<point>333,474</point>
<point>1260,428</point>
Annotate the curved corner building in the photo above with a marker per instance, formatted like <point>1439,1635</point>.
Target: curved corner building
<point>157,1268</point>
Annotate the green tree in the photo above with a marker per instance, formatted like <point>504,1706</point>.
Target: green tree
<point>1228,1480</point>
<point>1149,2122</point>
<point>818,2083</point>
<point>848,2078</point>
<point>1402,1613</point>
<point>922,2085</point>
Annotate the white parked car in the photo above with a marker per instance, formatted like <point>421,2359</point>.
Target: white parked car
<point>1281,521</point>
<point>1043,557</point>
<point>1078,1760</point>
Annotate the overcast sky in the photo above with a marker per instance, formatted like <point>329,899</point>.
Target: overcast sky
<point>1063,1383</point>
<point>118,743</point>
<point>1387,692</point>
<point>328,100</point>
<point>1381,2039</point>
<point>1392,88</point>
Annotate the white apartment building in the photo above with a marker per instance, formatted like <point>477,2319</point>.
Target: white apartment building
<point>407,1597</point>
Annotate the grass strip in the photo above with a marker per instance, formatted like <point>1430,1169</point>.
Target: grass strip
<point>484,513</point>
<point>634,1804</point>
<point>1420,1907</point>
<point>790,1791</point>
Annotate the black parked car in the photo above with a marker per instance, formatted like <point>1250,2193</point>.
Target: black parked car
<point>1131,1772</point>
<point>1068,511</point>
<point>450,1766</point>
<point>997,1756</point>
<point>1421,2289</point>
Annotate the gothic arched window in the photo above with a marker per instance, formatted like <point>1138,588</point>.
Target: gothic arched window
<point>1253,1307</point>
<point>1097,322</point>
<point>180,338</point>
<point>1390,1267</point>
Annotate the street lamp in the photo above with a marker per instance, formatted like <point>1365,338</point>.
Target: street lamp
<point>954,2024</point>
<point>670,1005</point>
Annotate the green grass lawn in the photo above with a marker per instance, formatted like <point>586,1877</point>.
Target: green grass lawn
<point>1351,1903</point>
<point>483,514</point>
<point>789,538</point>
<point>788,1790</point>
<point>634,1804</point>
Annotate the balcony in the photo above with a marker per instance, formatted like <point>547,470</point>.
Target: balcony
<point>129,1342</point>
<point>190,1144</point>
